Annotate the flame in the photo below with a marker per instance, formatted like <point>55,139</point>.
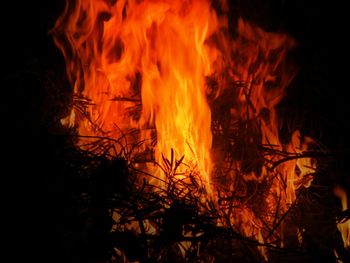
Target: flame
<point>343,225</point>
<point>141,72</point>
<point>152,53</point>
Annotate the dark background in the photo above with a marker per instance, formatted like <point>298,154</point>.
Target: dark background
<point>36,196</point>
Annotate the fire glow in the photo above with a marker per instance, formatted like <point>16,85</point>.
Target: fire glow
<point>170,80</point>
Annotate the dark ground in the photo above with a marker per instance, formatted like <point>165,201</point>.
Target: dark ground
<point>43,220</point>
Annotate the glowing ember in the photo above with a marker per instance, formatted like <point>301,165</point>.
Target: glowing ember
<point>168,74</point>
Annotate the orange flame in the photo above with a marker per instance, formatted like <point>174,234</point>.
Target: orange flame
<point>343,225</point>
<point>149,52</point>
<point>140,72</point>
